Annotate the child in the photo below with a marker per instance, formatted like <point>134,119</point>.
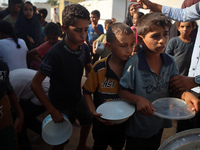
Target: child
<point>14,11</point>
<point>107,72</point>
<point>94,31</point>
<point>136,17</point>
<point>13,51</point>
<point>181,47</point>
<point>102,38</point>
<point>7,99</point>
<point>43,12</point>
<point>52,31</point>
<point>64,64</point>
<point>28,27</point>
<point>146,78</point>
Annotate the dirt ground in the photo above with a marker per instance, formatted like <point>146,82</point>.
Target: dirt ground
<point>39,144</point>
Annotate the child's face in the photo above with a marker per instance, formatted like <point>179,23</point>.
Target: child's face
<point>53,39</point>
<point>185,28</point>
<point>122,46</point>
<point>94,19</point>
<point>135,19</point>
<point>156,40</point>
<point>28,11</point>
<point>76,34</point>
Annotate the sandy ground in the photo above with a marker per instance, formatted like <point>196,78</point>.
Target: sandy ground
<point>39,144</point>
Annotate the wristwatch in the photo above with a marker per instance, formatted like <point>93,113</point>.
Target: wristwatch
<point>197,80</point>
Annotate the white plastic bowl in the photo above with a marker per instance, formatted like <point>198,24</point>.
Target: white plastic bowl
<point>56,133</point>
<point>99,47</point>
<point>116,112</point>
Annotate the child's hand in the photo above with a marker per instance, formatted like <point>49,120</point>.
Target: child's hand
<point>97,116</point>
<point>145,107</point>
<point>57,116</point>
<point>18,124</point>
<point>192,101</point>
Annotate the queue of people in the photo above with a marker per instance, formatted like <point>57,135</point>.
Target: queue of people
<point>43,73</point>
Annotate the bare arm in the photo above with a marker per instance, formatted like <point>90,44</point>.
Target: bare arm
<point>94,46</point>
<point>146,4</point>
<point>19,112</point>
<point>35,55</point>
<point>191,100</point>
<point>36,86</point>
<point>182,83</point>
<point>143,105</point>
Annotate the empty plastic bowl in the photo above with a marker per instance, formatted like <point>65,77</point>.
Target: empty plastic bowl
<point>99,47</point>
<point>56,133</point>
<point>116,112</point>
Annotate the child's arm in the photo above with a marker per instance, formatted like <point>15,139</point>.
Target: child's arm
<point>191,100</point>
<point>92,109</point>
<point>36,86</point>
<point>143,105</point>
<point>35,55</point>
<point>94,46</point>
<point>19,112</point>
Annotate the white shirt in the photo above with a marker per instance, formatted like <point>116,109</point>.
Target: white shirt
<point>188,14</point>
<point>13,56</point>
<point>20,80</point>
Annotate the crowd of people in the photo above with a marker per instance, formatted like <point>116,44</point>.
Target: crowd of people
<point>42,64</point>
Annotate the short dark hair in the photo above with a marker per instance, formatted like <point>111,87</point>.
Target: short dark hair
<point>194,24</point>
<point>149,21</point>
<point>108,21</point>
<point>15,2</point>
<point>44,12</point>
<point>140,14</point>
<point>73,12</point>
<point>117,29</point>
<point>96,12</point>
<point>52,28</point>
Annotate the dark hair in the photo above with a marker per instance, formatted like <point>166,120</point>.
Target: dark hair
<point>140,14</point>
<point>7,29</point>
<point>44,12</point>
<point>96,12</point>
<point>108,21</point>
<point>149,21</point>
<point>52,28</point>
<point>117,29</point>
<point>129,18</point>
<point>15,1</point>
<point>73,12</point>
<point>194,24</point>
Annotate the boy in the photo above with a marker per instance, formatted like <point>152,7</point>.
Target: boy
<point>94,31</point>
<point>52,32</point>
<point>146,78</point>
<point>102,38</point>
<point>7,99</point>
<point>103,81</point>
<point>64,64</point>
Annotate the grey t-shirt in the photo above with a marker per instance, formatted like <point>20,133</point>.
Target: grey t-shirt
<point>182,53</point>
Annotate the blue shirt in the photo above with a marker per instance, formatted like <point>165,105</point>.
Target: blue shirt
<point>188,14</point>
<point>92,35</point>
<point>141,80</point>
